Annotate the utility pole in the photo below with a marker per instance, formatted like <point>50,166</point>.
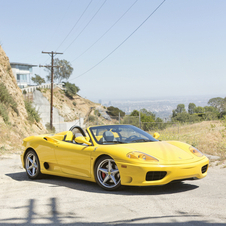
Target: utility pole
<point>51,97</point>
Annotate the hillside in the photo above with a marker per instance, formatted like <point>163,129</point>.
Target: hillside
<point>18,125</point>
<point>69,109</point>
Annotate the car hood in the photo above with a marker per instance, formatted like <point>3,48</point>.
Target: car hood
<point>161,150</point>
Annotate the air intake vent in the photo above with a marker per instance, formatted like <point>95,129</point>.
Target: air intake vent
<point>204,168</point>
<point>155,175</point>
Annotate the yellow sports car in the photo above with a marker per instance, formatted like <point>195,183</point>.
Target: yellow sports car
<point>112,155</point>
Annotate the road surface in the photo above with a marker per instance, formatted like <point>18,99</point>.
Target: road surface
<point>62,201</point>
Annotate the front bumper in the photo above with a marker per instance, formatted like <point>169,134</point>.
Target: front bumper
<point>135,175</point>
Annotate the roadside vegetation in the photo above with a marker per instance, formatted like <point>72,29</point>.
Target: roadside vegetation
<point>38,80</point>
<point>70,90</point>
<point>144,119</point>
<point>33,115</point>
<point>115,112</point>
<point>6,102</point>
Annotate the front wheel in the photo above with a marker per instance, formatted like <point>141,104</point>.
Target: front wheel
<point>32,165</point>
<point>107,174</point>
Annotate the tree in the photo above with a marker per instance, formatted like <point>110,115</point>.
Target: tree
<point>220,104</point>
<point>216,102</point>
<point>70,89</point>
<point>180,108</point>
<point>199,110</point>
<point>191,108</point>
<point>38,80</point>
<point>63,71</point>
<point>135,113</point>
<point>147,113</point>
<point>114,111</point>
<point>181,117</point>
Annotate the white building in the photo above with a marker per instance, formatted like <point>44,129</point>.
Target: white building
<point>22,73</point>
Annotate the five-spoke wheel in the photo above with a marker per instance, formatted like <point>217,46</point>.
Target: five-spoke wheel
<point>107,174</point>
<point>32,165</point>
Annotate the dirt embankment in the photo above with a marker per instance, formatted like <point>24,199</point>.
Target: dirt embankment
<point>69,109</point>
<point>18,126</point>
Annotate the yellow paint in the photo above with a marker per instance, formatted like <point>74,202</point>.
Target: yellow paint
<point>78,160</point>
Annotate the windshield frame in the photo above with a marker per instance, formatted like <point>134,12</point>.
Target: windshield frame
<point>150,138</point>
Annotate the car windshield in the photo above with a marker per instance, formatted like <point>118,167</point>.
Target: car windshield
<point>118,134</point>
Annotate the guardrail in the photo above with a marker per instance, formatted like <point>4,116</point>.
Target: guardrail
<point>44,86</point>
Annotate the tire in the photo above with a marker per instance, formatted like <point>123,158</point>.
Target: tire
<point>32,165</point>
<point>107,174</point>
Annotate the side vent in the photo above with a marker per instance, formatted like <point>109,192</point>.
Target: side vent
<point>46,165</point>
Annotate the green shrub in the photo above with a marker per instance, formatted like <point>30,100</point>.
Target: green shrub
<point>3,113</point>
<point>70,89</point>
<point>114,111</point>
<point>74,103</point>
<point>91,118</point>
<point>7,99</point>
<point>33,114</point>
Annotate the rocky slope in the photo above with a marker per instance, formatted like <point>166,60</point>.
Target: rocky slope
<point>69,109</point>
<point>11,134</point>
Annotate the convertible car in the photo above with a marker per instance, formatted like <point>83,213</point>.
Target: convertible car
<point>111,156</point>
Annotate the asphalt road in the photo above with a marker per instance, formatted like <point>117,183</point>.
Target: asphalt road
<point>63,201</point>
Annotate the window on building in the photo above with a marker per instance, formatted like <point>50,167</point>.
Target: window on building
<point>21,78</point>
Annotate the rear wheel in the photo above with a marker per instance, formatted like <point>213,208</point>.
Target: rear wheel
<point>32,165</point>
<point>107,174</point>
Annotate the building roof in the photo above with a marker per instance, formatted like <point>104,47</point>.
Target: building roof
<point>31,65</point>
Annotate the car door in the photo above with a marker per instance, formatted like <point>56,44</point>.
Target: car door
<point>74,158</point>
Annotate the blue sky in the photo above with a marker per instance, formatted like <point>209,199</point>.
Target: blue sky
<point>179,51</point>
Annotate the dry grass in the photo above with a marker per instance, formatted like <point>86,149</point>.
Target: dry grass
<point>209,137</point>
<point>10,139</point>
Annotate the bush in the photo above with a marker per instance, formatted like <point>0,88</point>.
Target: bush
<point>113,111</point>
<point>33,114</point>
<point>96,112</point>
<point>3,113</point>
<point>91,118</point>
<point>7,99</point>
<point>70,89</point>
<point>74,103</point>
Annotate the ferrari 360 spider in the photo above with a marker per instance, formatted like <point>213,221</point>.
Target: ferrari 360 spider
<point>111,156</point>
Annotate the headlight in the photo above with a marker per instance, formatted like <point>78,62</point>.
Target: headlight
<point>141,156</point>
<point>195,151</point>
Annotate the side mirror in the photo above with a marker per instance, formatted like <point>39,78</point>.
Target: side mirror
<point>82,140</point>
<point>156,135</point>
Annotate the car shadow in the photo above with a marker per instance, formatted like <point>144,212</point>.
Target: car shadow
<point>56,181</point>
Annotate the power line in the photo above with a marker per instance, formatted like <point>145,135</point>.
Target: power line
<point>106,31</point>
<point>58,24</point>
<point>75,24</point>
<point>86,25</point>
<point>120,43</point>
